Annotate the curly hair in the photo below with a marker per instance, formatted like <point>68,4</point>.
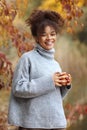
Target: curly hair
<point>39,19</point>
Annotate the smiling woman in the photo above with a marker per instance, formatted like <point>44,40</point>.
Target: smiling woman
<point>44,27</point>
<point>47,38</point>
<point>39,85</point>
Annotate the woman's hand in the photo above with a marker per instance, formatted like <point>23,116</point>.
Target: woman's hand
<point>69,80</point>
<point>62,79</point>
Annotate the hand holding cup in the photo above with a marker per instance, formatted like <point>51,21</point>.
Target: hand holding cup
<point>62,79</point>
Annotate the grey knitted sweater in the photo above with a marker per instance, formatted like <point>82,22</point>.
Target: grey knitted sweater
<point>35,101</point>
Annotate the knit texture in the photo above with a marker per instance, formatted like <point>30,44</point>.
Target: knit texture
<point>35,101</point>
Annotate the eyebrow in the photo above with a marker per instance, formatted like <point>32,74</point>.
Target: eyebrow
<point>51,31</point>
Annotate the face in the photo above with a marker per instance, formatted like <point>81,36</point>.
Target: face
<point>47,38</point>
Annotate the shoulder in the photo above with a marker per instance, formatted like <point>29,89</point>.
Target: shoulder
<point>25,58</point>
<point>27,55</point>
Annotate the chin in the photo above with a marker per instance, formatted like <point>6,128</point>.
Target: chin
<point>49,47</point>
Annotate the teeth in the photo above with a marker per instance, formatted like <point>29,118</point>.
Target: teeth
<point>49,43</point>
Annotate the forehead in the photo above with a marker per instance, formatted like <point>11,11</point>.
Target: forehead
<point>49,29</point>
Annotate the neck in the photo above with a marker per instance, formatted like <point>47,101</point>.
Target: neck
<point>49,54</point>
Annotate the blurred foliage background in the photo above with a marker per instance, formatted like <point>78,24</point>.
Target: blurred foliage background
<point>71,53</point>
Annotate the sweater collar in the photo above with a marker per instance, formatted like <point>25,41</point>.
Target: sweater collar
<point>49,54</point>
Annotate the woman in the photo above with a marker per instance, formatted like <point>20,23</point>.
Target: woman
<point>39,85</point>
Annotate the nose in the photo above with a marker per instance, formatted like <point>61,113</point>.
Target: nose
<point>48,37</point>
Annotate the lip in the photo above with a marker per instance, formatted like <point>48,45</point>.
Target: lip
<point>49,43</point>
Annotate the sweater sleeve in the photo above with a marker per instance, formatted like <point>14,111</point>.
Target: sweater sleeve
<point>24,88</point>
<point>64,90</point>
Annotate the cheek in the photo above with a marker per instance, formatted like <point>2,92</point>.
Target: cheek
<point>55,37</point>
<point>42,40</point>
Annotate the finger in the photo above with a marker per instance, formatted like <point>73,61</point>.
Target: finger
<point>68,83</point>
<point>64,83</point>
<point>57,73</point>
<point>70,77</point>
<point>58,82</point>
<point>63,73</point>
<point>64,77</point>
<point>61,80</point>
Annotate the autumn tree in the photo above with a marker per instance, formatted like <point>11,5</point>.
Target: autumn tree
<point>21,40</point>
<point>70,10</point>
<point>9,10</point>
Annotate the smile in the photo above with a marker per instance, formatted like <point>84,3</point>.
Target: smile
<point>48,43</point>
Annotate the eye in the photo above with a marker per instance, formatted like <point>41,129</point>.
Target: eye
<point>43,34</point>
<point>53,34</point>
